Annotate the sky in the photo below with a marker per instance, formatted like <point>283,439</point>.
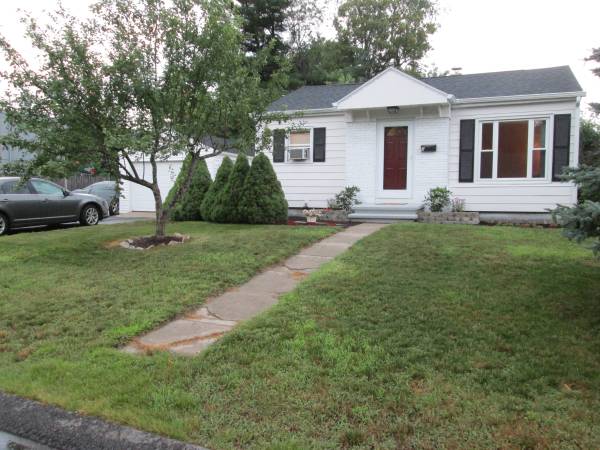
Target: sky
<point>476,35</point>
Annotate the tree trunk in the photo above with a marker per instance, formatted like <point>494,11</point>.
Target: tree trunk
<point>161,214</point>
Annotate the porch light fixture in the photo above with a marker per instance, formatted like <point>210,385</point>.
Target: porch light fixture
<point>393,109</point>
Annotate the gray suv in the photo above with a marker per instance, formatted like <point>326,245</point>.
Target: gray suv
<point>40,202</point>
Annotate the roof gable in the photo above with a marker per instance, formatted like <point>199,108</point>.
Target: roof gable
<point>392,88</point>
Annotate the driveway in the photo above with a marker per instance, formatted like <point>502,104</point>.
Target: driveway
<point>112,220</point>
<point>128,217</point>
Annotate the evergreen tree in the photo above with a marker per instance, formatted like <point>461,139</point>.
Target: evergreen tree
<point>227,206</point>
<point>189,205</point>
<point>216,189</point>
<point>582,221</point>
<point>263,200</point>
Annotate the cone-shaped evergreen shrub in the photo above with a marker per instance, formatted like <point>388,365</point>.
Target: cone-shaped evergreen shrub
<point>188,206</point>
<point>227,206</point>
<point>263,200</point>
<point>216,189</point>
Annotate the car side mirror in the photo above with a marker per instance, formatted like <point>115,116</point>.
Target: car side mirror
<point>66,193</point>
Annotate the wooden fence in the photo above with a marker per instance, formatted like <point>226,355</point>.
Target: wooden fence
<point>79,181</point>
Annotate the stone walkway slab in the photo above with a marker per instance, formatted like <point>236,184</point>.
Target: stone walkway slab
<point>193,333</point>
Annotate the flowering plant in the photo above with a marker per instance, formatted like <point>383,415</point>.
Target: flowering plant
<point>312,212</point>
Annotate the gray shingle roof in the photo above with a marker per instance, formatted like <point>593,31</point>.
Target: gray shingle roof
<point>312,97</point>
<point>480,85</point>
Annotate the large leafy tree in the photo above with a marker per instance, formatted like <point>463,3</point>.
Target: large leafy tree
<point>323,61</point>
<point>141,79</point>
<point>386,33</point>
<point>595,56</point>
<point>277,29</point>
<point>590,142</point>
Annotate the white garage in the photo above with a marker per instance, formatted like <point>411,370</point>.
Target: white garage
<point>140,199</point>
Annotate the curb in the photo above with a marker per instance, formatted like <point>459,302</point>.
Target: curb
<point>64,430</point>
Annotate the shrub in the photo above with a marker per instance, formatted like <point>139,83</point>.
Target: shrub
<point>458,204</point>
<point>587,179</point>
<point>263,200</point>
<point>227,206</point>
<point>346,199</point>
<point>216,189</point>
<point>189,205</point>
<point>437,199</point>
<point>582,221</point>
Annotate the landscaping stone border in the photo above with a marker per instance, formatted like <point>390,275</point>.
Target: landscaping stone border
<point>62,429</point>
<point>463,217</point>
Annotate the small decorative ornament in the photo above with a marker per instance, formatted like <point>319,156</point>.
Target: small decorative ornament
<point>312,215</point>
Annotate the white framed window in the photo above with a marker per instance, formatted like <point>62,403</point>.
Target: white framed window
<point>513,149</point>
<point>299,146</point>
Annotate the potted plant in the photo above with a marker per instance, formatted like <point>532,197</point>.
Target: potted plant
<point>312,215</point>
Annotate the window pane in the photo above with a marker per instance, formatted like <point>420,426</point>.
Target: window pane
<point>487,136</point>
<point>487,163</point>
<point>45,188</point>
<point>15,187</point>
<point>300,138</point>
<point>539,163</point>
<point>512,149</point>
<point>539,134</point>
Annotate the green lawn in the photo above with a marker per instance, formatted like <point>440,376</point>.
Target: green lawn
<point>421,336</point>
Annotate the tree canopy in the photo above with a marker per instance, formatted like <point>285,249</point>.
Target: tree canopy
<point>385,33</point>
<point>140,79</point>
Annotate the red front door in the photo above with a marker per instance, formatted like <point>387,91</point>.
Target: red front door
<point>395,157</point>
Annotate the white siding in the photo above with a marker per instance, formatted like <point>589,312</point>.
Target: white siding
<point>353,152</point>
<point>517,196</point>
<point>427,169</point>
<point>314,183</point>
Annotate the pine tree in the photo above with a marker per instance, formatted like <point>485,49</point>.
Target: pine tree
<point>263,200</point>
<point>216,189</point>
<point>189,205</point>
<point>227,206</point>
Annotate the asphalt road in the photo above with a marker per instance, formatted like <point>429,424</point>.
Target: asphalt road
<point>67,430</point>
<point>12,442</point>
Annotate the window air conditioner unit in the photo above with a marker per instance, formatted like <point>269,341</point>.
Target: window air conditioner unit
<point>298,154</point>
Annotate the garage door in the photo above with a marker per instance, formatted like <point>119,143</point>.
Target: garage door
<point>141,197</point>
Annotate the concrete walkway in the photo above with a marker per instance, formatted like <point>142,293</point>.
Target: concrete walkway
<point>196,331</point>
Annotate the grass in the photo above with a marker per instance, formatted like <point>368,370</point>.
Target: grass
<point>421,336</point>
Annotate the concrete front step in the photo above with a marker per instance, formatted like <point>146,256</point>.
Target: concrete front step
<point>382,216</point>
<point>384,212</point>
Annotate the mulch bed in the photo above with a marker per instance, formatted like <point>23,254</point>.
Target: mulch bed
<point>153,241</point>
<point>148,242</point>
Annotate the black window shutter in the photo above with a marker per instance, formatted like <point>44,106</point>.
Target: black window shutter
<point>278,145</point>
<point>562,144</point>
<point>319,144</point>
<point>466,151</point>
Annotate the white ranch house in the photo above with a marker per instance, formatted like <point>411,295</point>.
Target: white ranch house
<point>497,140</point>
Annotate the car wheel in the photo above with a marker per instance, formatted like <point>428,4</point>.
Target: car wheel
<point>113,208</point>
<point>3,224</point>
<point>89,216</point>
